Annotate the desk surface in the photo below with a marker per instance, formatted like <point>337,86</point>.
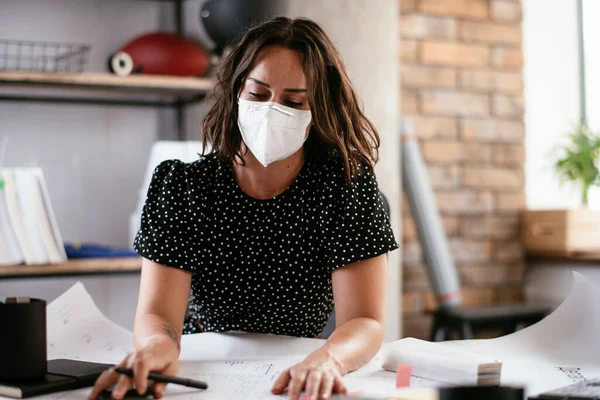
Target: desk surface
<point>90,266</point>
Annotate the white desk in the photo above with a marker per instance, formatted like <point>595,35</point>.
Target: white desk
<point>205,356</point>
<point>233,364</point>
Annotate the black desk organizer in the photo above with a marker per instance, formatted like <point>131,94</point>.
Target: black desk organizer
<point>23,340</point>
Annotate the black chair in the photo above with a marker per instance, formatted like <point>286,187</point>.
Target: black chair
<point>330,324</point>
<point>464,321</point>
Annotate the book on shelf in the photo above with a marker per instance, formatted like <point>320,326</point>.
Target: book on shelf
<point>28,229</point>
<point>10,252</point>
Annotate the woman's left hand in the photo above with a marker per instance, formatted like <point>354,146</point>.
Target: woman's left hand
<point>319,375</point>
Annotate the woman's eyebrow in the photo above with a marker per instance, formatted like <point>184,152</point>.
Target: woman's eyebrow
<point>260,83</point>
<point>289,90</point>
<point>294,90</point>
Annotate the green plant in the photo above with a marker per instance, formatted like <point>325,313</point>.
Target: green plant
<point>579,159</point>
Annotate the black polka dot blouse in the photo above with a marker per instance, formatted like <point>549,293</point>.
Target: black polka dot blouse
<point>261,265</point>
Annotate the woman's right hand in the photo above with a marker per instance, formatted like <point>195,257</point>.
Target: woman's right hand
<point>158,355</point>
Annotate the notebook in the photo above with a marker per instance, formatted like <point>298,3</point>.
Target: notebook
<point>63,374</point>
<point>440,363</point>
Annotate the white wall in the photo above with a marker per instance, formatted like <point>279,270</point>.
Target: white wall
<point>115,295</point>
<point>367,37</point>
<point>552,105</point>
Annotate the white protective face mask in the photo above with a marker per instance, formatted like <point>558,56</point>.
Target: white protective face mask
<point>271,131</point>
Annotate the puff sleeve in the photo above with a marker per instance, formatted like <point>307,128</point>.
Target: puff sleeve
<point>164,235</point>
<point>357,226</point>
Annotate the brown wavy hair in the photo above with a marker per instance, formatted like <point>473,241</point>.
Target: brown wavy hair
<point>339,125</point>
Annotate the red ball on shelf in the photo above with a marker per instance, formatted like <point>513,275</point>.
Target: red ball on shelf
<point>160,54</point>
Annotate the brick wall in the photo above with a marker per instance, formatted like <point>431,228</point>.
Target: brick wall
<point>462,86</point>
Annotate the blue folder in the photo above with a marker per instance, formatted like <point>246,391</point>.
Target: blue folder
<point>91,250</point>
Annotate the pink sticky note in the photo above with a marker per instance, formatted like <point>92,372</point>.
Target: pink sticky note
<point>403,372</point>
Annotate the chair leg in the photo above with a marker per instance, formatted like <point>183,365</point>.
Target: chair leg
<point>441,335</point>
<point>466,331</point>
<point>520,325</point>
<point>434,330</point>
<point>510,328</point>
<point>438,331</point>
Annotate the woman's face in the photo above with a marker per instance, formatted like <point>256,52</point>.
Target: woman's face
<point>277,76</point>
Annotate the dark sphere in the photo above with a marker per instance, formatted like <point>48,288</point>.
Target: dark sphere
<point>226,20</point>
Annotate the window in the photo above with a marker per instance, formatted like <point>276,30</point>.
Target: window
<point>590,84</point>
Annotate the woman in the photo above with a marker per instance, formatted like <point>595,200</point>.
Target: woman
<point>280,220</point>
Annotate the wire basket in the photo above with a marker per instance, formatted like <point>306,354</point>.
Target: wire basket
<point>35,56</point>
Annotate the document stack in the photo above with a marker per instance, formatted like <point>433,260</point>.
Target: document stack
<point>28,230</point>
<point>438,362</point>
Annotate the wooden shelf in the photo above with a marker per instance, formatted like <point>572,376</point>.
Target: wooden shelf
<point>592,258</point>
<point>164,89</point>
<point>86,266</point>
<point>151,83</point>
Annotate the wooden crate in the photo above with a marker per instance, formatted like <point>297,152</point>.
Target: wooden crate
<point>561,232</point>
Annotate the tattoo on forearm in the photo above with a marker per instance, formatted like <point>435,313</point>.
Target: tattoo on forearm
<point>172,334</point>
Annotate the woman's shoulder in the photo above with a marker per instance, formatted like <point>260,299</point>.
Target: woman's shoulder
<point>331,170</point>
<point>205,166</point>
<point>177,179</point>
<point>176,169</point>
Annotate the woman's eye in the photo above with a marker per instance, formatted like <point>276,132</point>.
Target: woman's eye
<point>257,96</point>
<point>294,104</point>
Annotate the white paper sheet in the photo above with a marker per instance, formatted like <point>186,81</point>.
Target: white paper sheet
<point>560,350</point>
<point>244,346</point>
<point>254,378</point>
<point>280,352</point>
<point>78,330</point>
<point>383,382</point>
<point>251,380</point>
